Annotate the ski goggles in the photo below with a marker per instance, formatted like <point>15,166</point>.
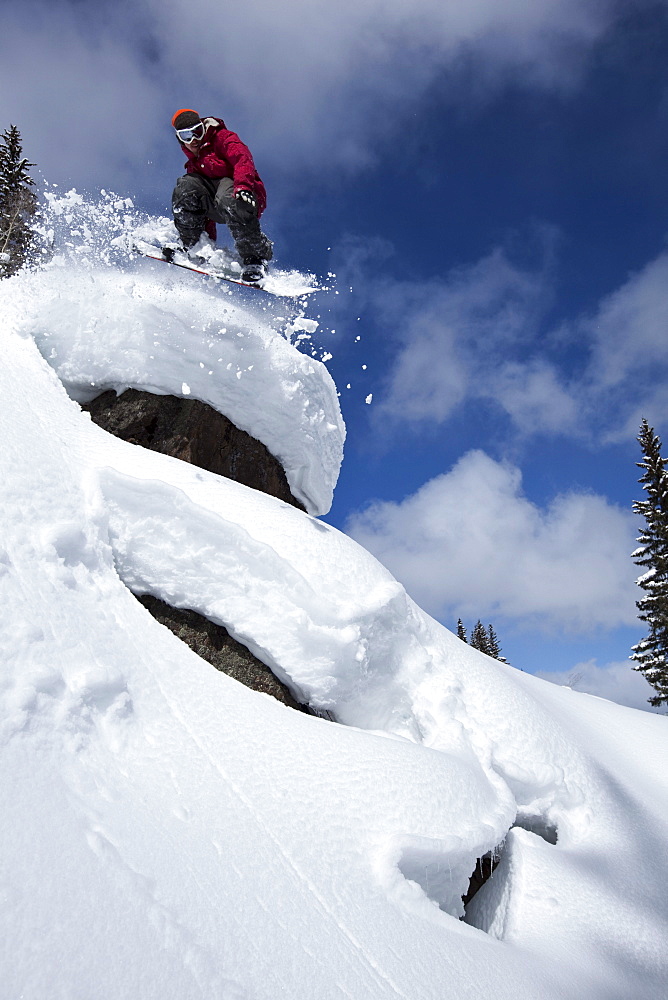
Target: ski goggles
<point>188,134</point>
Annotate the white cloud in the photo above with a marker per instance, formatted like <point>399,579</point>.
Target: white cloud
<point>471,336</point>
<point>329,77</point>
<point>309,84</point>
<point>478,335</point>
<point>80,96</point>
<point>534,397</point>
<point>628,331</point>
<point>627,375</point>
<point>470,544</point>
<point>614,681</point>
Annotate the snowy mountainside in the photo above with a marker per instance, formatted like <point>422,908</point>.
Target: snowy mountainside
<point>167,832</point>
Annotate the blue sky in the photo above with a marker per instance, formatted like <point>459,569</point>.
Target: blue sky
<point>488,182</point>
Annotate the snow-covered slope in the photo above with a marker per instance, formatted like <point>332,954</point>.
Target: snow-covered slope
<point>167,833</point>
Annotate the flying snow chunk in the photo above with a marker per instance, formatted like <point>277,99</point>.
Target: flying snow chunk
<point>307,325</point>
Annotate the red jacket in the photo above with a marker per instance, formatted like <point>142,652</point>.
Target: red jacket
<point>223,154</point>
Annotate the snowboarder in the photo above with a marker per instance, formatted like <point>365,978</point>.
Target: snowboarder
<point>221,185</point>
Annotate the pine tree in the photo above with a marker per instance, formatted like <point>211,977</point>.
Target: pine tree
<point>493,643</point>
<point>18,204</point>
<point>651,653</point>
<point>483,639</point>
<point>480,638</point>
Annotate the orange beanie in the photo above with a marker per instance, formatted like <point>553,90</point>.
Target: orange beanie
<point>190,118</point>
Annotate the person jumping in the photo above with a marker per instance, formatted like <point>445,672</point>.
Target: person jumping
<point>220,185</point>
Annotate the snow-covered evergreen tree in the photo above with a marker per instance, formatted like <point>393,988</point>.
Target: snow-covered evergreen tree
<point>483,639</point>
<point>651,653</point>
<point>480,638</point>
<point>18,204</point>
<point>493,642</point>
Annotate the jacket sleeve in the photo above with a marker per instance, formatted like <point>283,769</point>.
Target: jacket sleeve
<point>190,161</point>
<point>229,146</point>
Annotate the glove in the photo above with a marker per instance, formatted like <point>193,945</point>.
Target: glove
<point>246,205</point>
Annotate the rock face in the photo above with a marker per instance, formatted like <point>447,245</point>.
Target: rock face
<point>215,645</point>
<point>483,870</point>
<point>194,432</point>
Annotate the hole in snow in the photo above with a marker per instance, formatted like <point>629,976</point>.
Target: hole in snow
<point>486,865</point>
<point>441,868</point>
<point>538,825</point>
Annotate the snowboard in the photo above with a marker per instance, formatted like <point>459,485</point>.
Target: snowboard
<point>220,265</point>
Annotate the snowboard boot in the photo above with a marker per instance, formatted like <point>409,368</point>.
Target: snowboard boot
<point>251,243</point>
<point>169,250</point>
<point>254,270</point>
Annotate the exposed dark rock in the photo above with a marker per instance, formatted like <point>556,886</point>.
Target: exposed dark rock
<point>482,871</point>
<point>215,645</point>
<point>194,432</point>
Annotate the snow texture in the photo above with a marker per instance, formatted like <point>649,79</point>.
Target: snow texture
<point>167,833</point>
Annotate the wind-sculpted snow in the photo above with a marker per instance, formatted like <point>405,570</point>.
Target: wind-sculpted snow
<point>104,318</point>
<point>167,833</point>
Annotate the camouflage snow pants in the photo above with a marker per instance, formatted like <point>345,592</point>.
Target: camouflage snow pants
<point>197,199</point>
